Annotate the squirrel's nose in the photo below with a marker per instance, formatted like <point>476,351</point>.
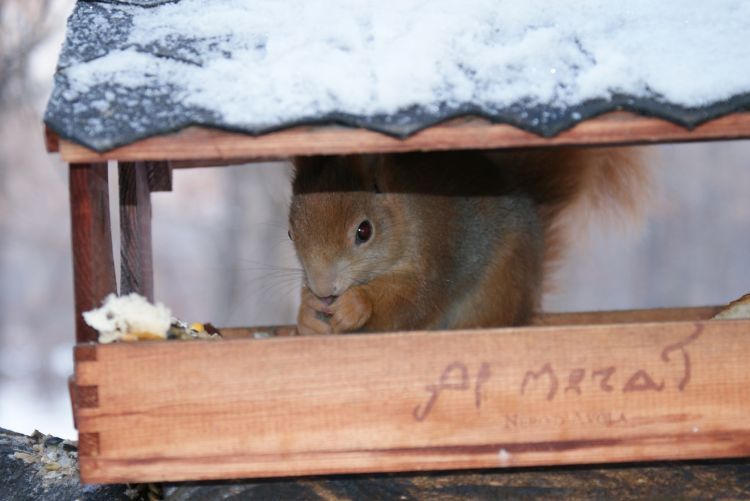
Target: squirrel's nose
<point>324,288</point>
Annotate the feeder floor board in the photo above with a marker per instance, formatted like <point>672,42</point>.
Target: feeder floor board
<point>197,146</point>
<point>413,401</point>
<point>545,319</point>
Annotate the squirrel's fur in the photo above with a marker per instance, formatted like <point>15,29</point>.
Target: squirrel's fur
<point>456,239</point>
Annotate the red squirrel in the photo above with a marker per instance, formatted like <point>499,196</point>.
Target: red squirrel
<point>445,240</point>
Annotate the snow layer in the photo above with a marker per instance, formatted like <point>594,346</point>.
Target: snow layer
<point>255,64</point>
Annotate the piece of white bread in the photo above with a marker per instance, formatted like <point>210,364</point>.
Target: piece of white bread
<point>129,318</point>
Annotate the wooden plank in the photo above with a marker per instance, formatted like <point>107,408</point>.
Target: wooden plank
<point>629,316</point>
<point>258,332</point>
<point>136,268</point>
<point>415,401</point>
<point>73,397</point>
<point>200,144</point>
<point>548,319</point>
<point>192,164</point>
<point>51,140</point>
<point>93,263</point>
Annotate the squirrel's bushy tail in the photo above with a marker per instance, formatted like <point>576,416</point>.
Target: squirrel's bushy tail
<point>570,185</point>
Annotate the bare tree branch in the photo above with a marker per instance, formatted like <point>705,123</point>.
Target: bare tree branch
<point>24,24</point>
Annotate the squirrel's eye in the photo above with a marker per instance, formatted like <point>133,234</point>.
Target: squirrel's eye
<point>364,232</point>
<point>289,234</point>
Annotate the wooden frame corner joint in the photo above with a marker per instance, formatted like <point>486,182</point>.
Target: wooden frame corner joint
<point>88,444</point>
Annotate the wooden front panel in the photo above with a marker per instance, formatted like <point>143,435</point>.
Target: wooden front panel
<point>397,402</point>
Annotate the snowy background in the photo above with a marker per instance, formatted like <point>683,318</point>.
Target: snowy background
<point>222,254</point>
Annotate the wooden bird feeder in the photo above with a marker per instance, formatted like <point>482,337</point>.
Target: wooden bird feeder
<point>575,388</point>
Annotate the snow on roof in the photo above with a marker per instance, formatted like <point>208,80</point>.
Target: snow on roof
<point>133,69</point>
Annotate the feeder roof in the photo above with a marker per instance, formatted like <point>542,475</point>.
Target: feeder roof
<point>130,70</point>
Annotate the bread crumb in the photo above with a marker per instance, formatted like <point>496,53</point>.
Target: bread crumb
<point>129,318</point>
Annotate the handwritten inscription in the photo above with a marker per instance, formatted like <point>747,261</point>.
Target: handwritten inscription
<point>545,372</point>
<point>550,383</point>
<point>680,346</point>
<point>605,375</point>
<point>574,380</point>
<point>455,377</point>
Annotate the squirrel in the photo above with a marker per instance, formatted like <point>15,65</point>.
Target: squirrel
<point>440,240</point>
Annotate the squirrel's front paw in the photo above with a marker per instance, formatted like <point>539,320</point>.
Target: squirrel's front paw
<point>350,311</point>
<point>311,319</point>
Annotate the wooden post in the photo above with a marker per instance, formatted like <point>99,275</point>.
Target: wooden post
<point>159,176</point>
<point>136,269</point>
<point>93,264</point>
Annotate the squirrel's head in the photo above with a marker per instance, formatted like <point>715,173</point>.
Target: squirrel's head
<point>344,227</point>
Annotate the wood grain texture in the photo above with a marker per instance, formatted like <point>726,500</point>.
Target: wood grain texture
<point>51,140</point>
<point>159,176</point>
<point>200,144</point>
<point>93,263</point>
<point>136,268</point>
<point>417,401</point>
<point>73,397</point>
<point>628,316</point>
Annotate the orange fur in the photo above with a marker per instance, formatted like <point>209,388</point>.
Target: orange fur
<point>459,239</point>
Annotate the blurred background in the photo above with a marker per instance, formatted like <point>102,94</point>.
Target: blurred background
<point>221,253</point>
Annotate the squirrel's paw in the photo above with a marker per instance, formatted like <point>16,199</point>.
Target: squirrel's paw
<point>312,316</point>
<point>350,311</point>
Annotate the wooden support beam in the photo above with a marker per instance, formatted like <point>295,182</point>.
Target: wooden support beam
<point>159,176</point>
<point>51,140</point>
<point>93,263</point>
<point>192,164</point>
<point>413,401</point>
<point>136,269</point>
<point>213,146</point>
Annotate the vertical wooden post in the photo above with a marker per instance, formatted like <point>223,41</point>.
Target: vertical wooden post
<point>159,176</point>
<point>136,270</point>
<point>93,263</point>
